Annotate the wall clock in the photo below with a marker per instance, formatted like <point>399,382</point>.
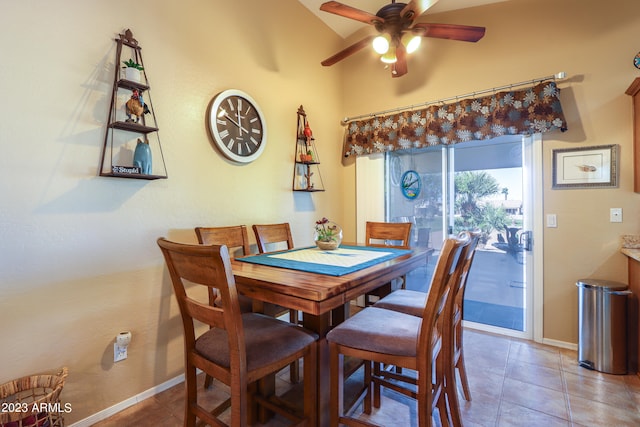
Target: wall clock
<point>410,184</point>
<point>237,126</point>
<point>636,60</point>
<point>395,168</point>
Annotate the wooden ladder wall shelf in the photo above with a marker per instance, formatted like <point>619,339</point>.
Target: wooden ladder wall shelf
<point>123,146</point>
<point>306,170</point>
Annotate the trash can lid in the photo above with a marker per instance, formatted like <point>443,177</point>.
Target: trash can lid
<point>605,285</point>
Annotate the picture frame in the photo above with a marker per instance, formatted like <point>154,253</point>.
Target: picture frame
<point>585,167</point>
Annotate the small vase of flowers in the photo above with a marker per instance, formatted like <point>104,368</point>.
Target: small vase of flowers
<point>328,234</point>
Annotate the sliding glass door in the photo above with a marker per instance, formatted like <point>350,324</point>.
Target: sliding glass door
<point>477,185</point>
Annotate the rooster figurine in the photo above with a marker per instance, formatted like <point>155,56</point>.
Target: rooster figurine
<point>135,106</point>
<point>307,130</point>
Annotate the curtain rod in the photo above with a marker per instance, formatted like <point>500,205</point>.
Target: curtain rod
<point>558,76</point>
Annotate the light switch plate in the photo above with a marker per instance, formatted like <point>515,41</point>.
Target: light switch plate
<point>615,215</point>
<point>119,353</point>
<point>552,221</point>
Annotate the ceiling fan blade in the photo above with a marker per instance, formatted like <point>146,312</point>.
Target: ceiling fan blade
<point>418,7</point>
<point>399,68</point>
<point>338,8</point>
<point>348,51</point>
<point>464,33</point>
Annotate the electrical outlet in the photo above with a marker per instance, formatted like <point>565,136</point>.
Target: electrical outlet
<point>615,215</point>
<point>119,353</point>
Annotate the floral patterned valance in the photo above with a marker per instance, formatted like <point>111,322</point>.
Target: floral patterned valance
<point>536,109</point>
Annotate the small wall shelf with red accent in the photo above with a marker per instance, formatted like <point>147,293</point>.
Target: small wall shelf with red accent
<point>306,172</point>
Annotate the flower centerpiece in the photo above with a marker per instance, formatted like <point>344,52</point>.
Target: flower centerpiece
<point>328,234</point>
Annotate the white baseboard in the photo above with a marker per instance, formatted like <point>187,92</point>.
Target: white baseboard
<point>516,334</point>
<point>561,344</point>
<point>112,410</point>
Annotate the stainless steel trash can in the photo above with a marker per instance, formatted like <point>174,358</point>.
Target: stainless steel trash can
<point>602,325</point>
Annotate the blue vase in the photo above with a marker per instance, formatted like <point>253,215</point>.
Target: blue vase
<point>142,157</point>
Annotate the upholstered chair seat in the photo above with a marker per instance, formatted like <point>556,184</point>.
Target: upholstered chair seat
<point>267,341</point>
<point>406,301</point>
<point>380,331</point>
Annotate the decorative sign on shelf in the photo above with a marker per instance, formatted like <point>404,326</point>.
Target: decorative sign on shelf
<point>128,170</point>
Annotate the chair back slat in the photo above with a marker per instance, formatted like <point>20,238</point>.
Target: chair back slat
<point>234,237</point>
<point>383,233</point>
<point>272,233</point>
<point>211,316</point>
<point>197,267</point>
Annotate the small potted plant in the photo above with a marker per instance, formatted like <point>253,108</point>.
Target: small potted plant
<point>132,70</point>
<point>328,234</point>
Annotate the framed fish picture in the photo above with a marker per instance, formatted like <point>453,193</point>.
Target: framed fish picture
<point>585,167</point>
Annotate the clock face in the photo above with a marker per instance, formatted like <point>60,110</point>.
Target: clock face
<point>636,60</point>
<point>237,126</point>
<point>395,168</point>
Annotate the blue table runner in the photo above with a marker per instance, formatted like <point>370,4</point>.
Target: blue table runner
<point>274,259</point>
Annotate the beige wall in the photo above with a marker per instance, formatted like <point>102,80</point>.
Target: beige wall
<point>594,43</point>
<point>79,261</point>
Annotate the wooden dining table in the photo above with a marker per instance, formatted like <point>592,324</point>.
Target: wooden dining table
<point>323,299</point>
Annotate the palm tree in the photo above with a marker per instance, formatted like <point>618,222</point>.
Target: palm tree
<point>471,187</point>
<point>505,191</point>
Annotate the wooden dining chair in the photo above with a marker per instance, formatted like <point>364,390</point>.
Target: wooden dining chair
<point>388,234</point>
<point>272,234</point>
<point>240,349</point>
<point>236,239</point>
<point>391,235</point>
<point>380,336</point>
<point>413,303</point>
<point>271,237</point>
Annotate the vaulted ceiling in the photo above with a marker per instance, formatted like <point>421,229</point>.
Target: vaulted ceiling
<point>345,27</point>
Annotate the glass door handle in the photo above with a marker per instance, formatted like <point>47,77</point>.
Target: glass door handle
<point>526,240</point>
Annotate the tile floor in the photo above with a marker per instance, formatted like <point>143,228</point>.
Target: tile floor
<point>513,383</point>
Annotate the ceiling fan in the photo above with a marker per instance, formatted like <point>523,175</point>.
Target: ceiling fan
<point>398,33</point>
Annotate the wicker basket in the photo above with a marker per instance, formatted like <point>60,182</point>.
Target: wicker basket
<point>33,401</point>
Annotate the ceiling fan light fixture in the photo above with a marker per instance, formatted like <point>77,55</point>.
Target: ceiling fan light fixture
<point>381,44</point>
<point>390,56</point>
<point>411,42</point>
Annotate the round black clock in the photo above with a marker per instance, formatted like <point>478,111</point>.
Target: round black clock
<point>636,60</point>
<point>237,126</point>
